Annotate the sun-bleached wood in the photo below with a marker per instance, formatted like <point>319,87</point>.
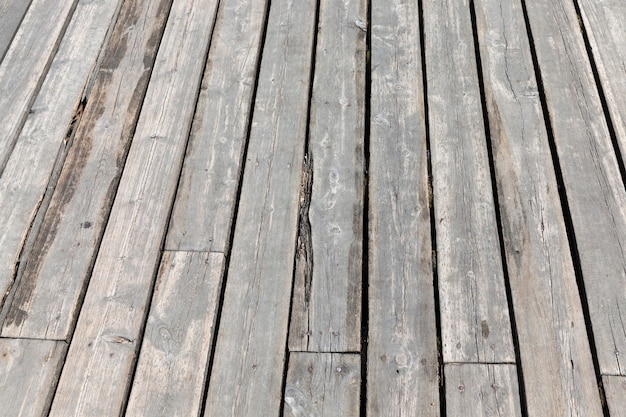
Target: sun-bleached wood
<point>326,310</point>
<point>11,14</point>
<point>64,251</point>
<point>105,341</point>
<point>247,372</point>
<point>615,394</point>
<point>402,338</point>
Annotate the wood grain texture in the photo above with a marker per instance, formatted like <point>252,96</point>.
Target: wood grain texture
<point>481,390</point>
<point>204,209</point>
<point>171,371</point>
<point>594,187</point>
<point>402,337</point>
<point>45,133</point>
<point>249,358</point>
<point>29,370</point>
<point>559,376</point>
<point>104,344</point>
<point>615,393</point>
<point>475,324</point>
<point>323,385</point>
<point>326,310</point>
<point>63,253</point>
<point>11,14</point>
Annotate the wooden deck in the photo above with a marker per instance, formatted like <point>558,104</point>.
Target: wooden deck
<point>312,208</point>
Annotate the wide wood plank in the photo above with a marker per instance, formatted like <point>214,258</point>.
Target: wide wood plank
<point>594,187</point>
<point>326,311</point>
<point>475,324</point>
<point>615,392</point>
<point>204,209</point>
<point>11,14</point>
<point>105,342</point>
<point>29,370</point>
<point>171,371</point>
<point>475,390</point>
<point>63,253</point>
<point>402,355</point>
<point>44,136</point>
<point>249,359</point>
<point>323,385</point>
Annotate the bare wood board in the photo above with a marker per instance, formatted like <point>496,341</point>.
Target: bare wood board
<point>615,393</point>
<point>11,14</point>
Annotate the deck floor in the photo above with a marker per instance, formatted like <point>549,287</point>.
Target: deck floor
<point>312,208</point>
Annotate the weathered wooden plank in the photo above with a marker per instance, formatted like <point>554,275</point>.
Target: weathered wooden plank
<point>25,65</point>
<point>556,361</point>
<point>29,370</point>
<point>402,374</point>
<point>475,390</point>
<point>475,324</point>
<point>175,351</point>
<point>593,183</point>
<point>323,385</point>
<point>72,228</point>
<point>615,392</point>
<point>104,344</point>
<point>205,204</point>
<point>11,14</point>
<point>249,358</point>
<point>326,310</point>
<point>44,135</point>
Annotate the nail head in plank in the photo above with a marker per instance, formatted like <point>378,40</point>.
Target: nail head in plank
<point>402,337</point>
<point>615,392</point>
<point>11,14</point>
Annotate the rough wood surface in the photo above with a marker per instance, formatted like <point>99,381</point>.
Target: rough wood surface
<point>402,338</point>
<point>481,390</point>
<point>595,191</point>
<point>29,370</point>
<point>323,385</point>
<point>63,253</point>
<point>11,14</point>
<point>475,324</point>
<point>204,208</point>
<point>326,311</point>
<point>249,359</point>
<point>556,360</point>
<point>171,371</point>
<point>45,133</point>
<point>615,393</point>
<point>104,344</point>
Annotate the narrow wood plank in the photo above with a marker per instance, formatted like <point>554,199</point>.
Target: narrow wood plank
<point>27,173</point>
<point>25,65</point>
<point>593,184</point>
<point>28,373</point>
<point>11,14</point>
<point>556,360</point>
<point>475,324</point>
<point>323,385</point>
<point>104,344</point>
<point>204,209</point>
<point>326,310</point>
<point>402,364</point>
<point>475,390</point>
<point>249,358</point>
<point>175,351</point>
<point>63,253</point>
<point>615,392</point>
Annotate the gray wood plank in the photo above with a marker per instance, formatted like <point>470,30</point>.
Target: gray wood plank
<point>204,208</point>
<point>171,371</point>
<point>25,65</point>
<point>475,324</point>
<point>323,385</point>
<point>29,370</point>
<point>104,343</point>
<point>249,358</point>
<point>62,255</point>
<point>615,392</point>
<point>475,390</point>
<point>556,360</point>
<point>11,14</point>
<point>402,338</point>
<point>326,310</point>
<point>593,184</point>
<point>44,135</point>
